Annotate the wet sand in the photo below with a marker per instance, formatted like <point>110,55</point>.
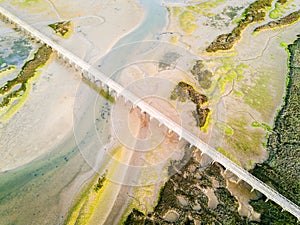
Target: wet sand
<point>54,91</point>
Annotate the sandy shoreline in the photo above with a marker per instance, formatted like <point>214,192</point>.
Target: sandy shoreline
<point>46,119</point>
<point>55,90</point>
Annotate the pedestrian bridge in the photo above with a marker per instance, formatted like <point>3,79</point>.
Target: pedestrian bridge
<point>118,90</point>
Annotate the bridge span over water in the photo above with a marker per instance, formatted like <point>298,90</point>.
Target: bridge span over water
<point>117,90</point>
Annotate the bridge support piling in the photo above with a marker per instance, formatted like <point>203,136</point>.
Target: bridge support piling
<point>98,83</point>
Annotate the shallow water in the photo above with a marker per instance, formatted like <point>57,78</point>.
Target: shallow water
<point>15,48</point>
<point>32,194</point>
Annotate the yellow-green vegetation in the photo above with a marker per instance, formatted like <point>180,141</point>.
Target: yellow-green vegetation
<point>89,202</point>
<point>83,210</point>
<point>255,124</point>
<point>256,12</point>
<point>244,140</point>
<point>262,125</point>
<point>187,15</point>
<point>17,88</point>
<point>13,107</point>
<point>25,2</point>
<point>104,93</point>
<point>62,28</point>
<point>226,129</point>
<point>177,11</point>
<point>290,19</point>
<point>208,122</point>
<point>258,96</point>
<point>284,45</point>
<point>229,156</point>
<point>33,5</point>
<point>187,22</point>
<point>141,193</point>
<point>100,183</point>
<point>7,70</point>
<point>204,8</point>
<point>280,9</point>
<point>174,40</point>
<point>28,70</point>
<point>7,112</point>
<point>227,72</point>
<point>238,94</point>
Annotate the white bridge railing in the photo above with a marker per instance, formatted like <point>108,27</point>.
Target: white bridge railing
<point>241,173</point>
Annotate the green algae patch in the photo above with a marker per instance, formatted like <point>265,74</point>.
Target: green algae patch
<point>280,9</point>
<point>226,129</point>
<point>207,123</point>
<point>32,5</point>
<point>174,40</point>
<point>205,7</point>
<point>177,11</point>
<point>284,45</point>
<point>258,97</point>
<point>262,125</point>
<point>25,3</point>
<point>255,124</point>
<point>228,72</point>
<point>62,28</point>
<point>187,22</point>
<point>101,91</point>
<point>244,141</point>
<point>237,94</point>
<point>229,156</point>
<point>89,199</point>
<point>187,15</point>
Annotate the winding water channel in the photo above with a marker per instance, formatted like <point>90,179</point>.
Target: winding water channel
<point>37,193</point>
